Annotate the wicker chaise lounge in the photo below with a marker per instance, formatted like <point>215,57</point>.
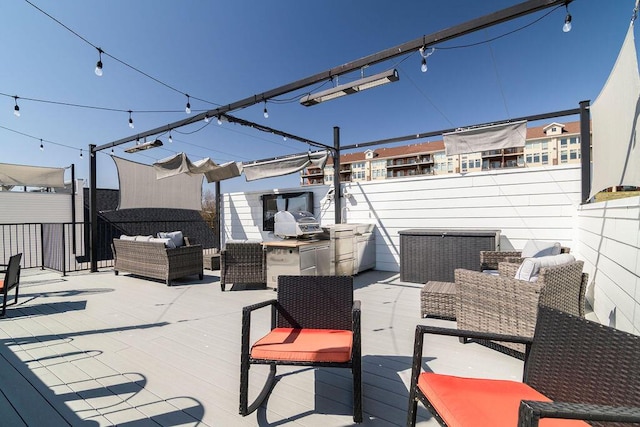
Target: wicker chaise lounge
<point>154,260</point>
<point>575,369</point>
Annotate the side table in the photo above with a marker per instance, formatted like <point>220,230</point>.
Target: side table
<point>438,299</point>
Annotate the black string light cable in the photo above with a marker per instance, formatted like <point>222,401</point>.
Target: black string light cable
<point>102,52</point>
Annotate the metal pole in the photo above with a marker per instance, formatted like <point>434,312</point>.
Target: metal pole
<point>217,237</point>
<point>585,149</point>
<point>93,210</point>
<point>337,192</point>
<point>73,208</point>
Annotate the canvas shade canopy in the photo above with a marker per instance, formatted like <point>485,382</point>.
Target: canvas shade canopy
<point>486,138</point>
<point>30,176</point>
<point>615,112</point>
<point>180,163</point>
<point>285,165</point>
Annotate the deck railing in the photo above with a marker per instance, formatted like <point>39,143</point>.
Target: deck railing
<point>64,247</point>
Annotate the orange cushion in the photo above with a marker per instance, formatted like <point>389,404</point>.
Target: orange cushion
<point>309,345</point>
<point>482,402</point>
<point>1,284</point>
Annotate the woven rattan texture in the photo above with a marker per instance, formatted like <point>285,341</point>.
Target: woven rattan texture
<point>428,256</point>
<point>319,302</point>
<point>583,361</point>
<point>243,262</point>
<point>152,259</point>
<point>438,299</point>
<point>489,260</point>
<point>503,304</point>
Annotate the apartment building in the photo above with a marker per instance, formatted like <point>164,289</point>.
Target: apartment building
<point>551,144</point>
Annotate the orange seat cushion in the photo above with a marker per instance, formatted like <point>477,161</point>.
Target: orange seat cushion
<point>308,345</point>
<point>482,402</point>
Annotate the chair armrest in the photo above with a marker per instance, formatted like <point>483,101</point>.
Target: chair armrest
<point>531,411</point>
<point>508,269</point>
<point>355,316</point>
<point>246,322</point>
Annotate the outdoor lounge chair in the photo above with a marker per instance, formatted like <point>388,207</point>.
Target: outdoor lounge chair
<point>574,369</point>
<point>243,263</point>
<point>505,305</point>
<point>489,260</point>
<point>315,322</point>
<point>11,280</point>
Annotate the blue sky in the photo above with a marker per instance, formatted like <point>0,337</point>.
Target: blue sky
<point>223,52</point>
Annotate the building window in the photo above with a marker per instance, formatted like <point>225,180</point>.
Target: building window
<point>563,142</point>
<point>545,158</point>
<point>563,157</point>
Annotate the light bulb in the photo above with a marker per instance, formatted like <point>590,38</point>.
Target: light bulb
<point>423,67</point>
<point>98,69</point>
<point>112,152</point>
<point>81,153</point>
<point>219,120</point>
<point>206,119</point>
<point>170,138</point>
<point>266,113</point>
<point>16,111</point>
<point>41,146</point>
<point>188,107</point>
<point>131,123</point>
<point>567,23</point>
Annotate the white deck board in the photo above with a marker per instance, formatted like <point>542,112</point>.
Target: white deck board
<point>99,349</point>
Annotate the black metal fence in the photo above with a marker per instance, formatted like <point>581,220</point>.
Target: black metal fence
<point>64,247</point>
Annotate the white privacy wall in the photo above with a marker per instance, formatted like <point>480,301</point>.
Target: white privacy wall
<point>609,242</point>
<point>534,203</point>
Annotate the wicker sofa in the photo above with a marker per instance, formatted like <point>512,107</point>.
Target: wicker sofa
<point>504,305</point>
<point>154,260</point>
<point>489,260</point>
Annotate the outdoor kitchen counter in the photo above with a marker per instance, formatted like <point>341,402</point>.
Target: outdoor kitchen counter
<point>296,257</point>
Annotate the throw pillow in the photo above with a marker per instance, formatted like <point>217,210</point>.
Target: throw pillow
<point>530,267</point>
<point>175,236</point>
<point>143,238</point>
<point>125,237</point>
<point>538,248</point>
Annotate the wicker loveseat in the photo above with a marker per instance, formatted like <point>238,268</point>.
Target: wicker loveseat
<point>504,305</point>
<point>154,260</point>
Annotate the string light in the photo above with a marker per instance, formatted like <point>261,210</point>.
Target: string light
<point>188,107</point>
<point>170,138</point>
<point>567,20</point>
<point>219,121</point>
<point>130,120</point>
<point>206,118</point>
<point>41,145</point>
<point>423,65</point>
<point>81,153</point>
<point>98,69</point>
<point>16,109</point>
<point>112,152</point>
<point>265,112</point>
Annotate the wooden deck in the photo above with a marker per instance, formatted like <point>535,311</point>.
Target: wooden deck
<point>99,349</point>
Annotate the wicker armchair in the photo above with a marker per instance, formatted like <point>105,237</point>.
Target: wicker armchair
<point>489,260</point>
<point>574,369</point>
<point>243,262</point>
<point>314,322</point>
<point>505,305</point>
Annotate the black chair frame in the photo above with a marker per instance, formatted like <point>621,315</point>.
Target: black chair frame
<point>289,311</point>
<point>11,280</point>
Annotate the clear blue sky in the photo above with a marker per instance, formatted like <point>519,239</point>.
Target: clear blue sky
<point>225,51</point>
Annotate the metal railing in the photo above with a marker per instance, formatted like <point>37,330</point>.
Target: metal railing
<point>53,246</point>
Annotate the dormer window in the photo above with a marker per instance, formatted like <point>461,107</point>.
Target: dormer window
<point>369,154</point>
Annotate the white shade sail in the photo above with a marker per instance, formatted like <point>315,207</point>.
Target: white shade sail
<point>180,163</point>
<point>616,154</point>
<point>140,188</point>
<point>486,138</point>
<point>285,165</point>
<point>30,176</point>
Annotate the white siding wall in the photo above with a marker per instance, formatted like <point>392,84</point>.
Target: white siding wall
<point>609,242</point>
<point>524,204</point>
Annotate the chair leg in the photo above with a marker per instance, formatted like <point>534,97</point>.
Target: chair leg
<point>16,300</point>
<point>357,391</point>
<point>245,408</point>
<point>413,408</point>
